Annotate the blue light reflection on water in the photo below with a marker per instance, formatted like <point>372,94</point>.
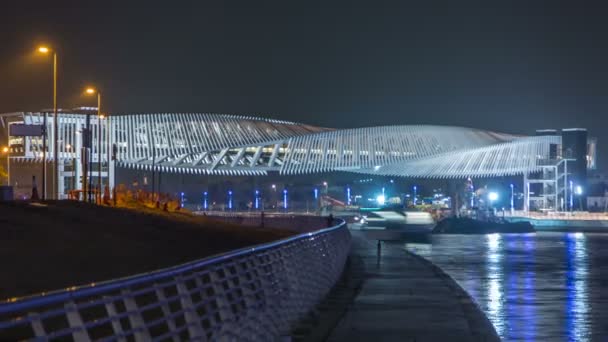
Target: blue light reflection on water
<point>532,287</point>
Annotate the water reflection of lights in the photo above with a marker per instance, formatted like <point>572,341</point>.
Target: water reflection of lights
<point>576,285</point>
<point>494,270</point>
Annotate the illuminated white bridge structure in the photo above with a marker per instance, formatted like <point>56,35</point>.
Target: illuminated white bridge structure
<point>240,145</point>
<point>234,145</point>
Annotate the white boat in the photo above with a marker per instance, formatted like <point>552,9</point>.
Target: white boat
<point>396,225</point>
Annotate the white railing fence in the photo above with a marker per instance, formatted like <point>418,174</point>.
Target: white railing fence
<point>254,294</point>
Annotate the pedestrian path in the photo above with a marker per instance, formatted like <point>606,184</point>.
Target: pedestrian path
<point>403,297</point>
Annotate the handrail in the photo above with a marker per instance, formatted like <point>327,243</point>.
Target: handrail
<point>287,250</point>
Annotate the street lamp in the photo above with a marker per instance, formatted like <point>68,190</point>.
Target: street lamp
<point>571,195</point>
<point>415,194</point>
<point>5,150</point>
<point>100,117</point>
<point>512,207</point>
<point>46,50</point>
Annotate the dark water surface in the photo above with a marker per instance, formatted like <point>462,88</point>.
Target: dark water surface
<point>532,287</point>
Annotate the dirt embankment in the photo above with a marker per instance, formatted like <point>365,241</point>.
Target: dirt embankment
<point>70,243</point>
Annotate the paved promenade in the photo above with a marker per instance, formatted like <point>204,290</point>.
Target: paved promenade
<point>406,298</point>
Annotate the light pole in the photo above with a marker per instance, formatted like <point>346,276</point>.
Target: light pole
<point>512,207</point>
<point>46,50</point>
<point>571,195</point>
<point>415,194</point>
<point>100,117</point>
<point>285,199</point>
<point>5,151</point>
<point>274,189</point>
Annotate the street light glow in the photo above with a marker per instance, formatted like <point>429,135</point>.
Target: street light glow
<point>5,149</point>
<point>43,49</point>
<point>381,199</point>
<point>493,196</point>
<point>579,190</point>
<point>90,91</point>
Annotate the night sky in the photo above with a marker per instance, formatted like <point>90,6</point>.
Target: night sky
<point>512,67</point>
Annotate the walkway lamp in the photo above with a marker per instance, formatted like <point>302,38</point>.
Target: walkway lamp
<point>257,199</point>
<point>512,193</point>
<point>46,50</point>
<point>100,117</point>
<point>285,199</point>
<point>348,195</point>
<point>230,199</point>
<point>415,194</point>
<point>5,153</point>
<point>205,201</point>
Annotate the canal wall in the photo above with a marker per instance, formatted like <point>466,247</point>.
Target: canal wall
<point>551,224</point>
<point>256,293</point>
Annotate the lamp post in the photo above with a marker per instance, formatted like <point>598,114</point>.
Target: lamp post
<point>5,152</point>
<point>512,207</point>
<point>230,200</point>
<point>285,199</point>
<point>348,195</point>
<point>415,194</point>
<point>47,50</point>
<point>100,117</point>
<point>571,195</point>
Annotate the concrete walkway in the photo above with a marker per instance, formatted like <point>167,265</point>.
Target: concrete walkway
<point>406,298</point>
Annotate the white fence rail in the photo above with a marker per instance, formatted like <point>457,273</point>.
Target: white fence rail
<point>252,294</point>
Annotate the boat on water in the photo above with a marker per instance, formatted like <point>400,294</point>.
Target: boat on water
<point>396,225</point>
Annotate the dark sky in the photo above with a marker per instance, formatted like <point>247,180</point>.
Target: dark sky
<point>514,66</point>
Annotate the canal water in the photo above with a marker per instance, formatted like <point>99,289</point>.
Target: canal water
<point>532,287</point>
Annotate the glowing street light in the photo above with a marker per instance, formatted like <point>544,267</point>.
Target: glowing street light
<point>285,199</point>
<point>257,199</point>
<point>230,199</point>
<point>380,199</point>
<point>348,195</point>
<point>579,192</point>
<point>5,150</point>
<point>46,50</point>
<point>415,194</point>
<point>205,202</point>
<point>93,91</point>
<point>493,196</point>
